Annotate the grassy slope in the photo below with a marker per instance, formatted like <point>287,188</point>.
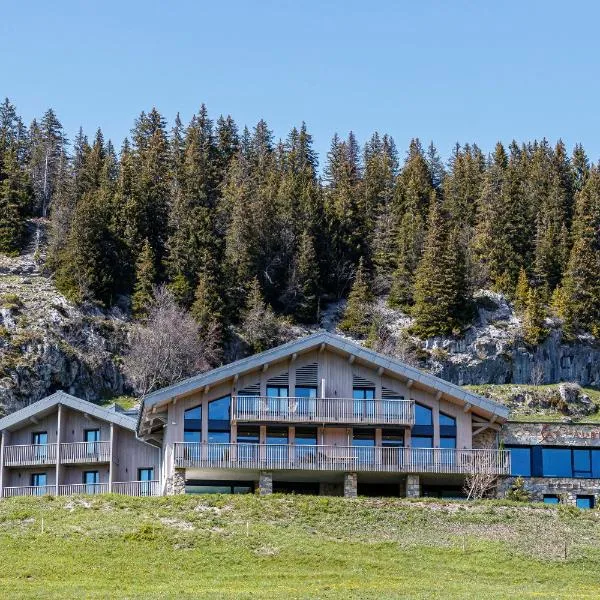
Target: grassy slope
<point>294,547</point>
<point>503,393</point>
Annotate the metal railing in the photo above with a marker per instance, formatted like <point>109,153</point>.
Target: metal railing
<point>84,452</point>
<point>28,490</point>
<point>29,454</point>
<point>137,488</point>
<point>341,458</point>
<point>323,410</point>
<point>82,488</point>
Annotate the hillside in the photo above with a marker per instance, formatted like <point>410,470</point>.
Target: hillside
<point>295,547</point>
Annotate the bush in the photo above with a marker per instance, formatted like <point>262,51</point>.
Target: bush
<point>11,301</point>
<point>518,492</point>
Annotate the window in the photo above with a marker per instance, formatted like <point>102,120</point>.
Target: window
<point>306,436</point>
<point>277,435</point>
<point>421,441</point>
<point>363,402</point>
<point>145,476</point>
<point>91,435</point>
<point>39,480</point>
<point>582,463</point>
<point>392,438</point>
<point>248,434</point>
<point>551,499</point>
<point>520,461</point>
<point>423,415</point>
<point>219,421</point>
<point>91,479</point>
<point>422,432</point>
<point>40,439</point>
<point>192,424</point>
<point>556,462</point>
<point>585,502</point>
<point>363,437</point>
<point>277,399</point>
<point>447,438</point>
<point>219,487</point>
<point>306,403</point>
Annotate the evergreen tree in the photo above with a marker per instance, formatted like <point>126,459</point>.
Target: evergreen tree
<point>521,292</point>
<point>260,328</point>
<point>533,319</point>
<point>357,315</point>
<point>145,279</point>
<point>14,202</point>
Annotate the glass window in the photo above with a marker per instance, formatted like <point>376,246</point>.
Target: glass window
<point>218,410</point>
<point>219,437</point>
<point>585,502</point>
<point>39,437</point>
<point>447,421</point>
<point>306,403</point>
<point>306,392</point>
<point>91,435</point>
<point>39,479</point>
<point>551,499</point>
<point>582,463</point>
<point>363,437</point>
<point>421,441</point>
<point>392,438</point>
<point>596,464</point>
<point>306,436</point>
<point>219,421</point>
<point>423,415</point>
<point>556,462</point>
<point>277,435</point>
<point>248,434</point>
<point>146,474</point>
<point>448,442</point>
<point>363,393</point>
<point>363,405</point>
<point>520,461</point>
<point>192,424</point>
<point>219,488</point>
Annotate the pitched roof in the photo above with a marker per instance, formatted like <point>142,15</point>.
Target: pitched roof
<point>49,402</point>
<point>306,343</point>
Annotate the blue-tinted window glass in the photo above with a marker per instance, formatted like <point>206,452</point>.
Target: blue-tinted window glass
<point>447,421</point>
<point>219,437</point>
<point>306,436</point>
<point>363,437</point>
<point>556,462</point>
<point>391,438</point>
<point>306,392</point>
<point>192,424</point>
<point>421,441</point>
<point>551,499</point>
<point>585,502</point>
<point>248,434</point>
<point>596,464</point>
<point>218,410</point>
<point>423,415</point>
<point>520,461</point>
<point>277,435</point>
<point>363,393</point>
<point>582,463</point>
<point>447,442</point>
<point>39,479</point>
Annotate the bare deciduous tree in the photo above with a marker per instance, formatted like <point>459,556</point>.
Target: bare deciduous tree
<point>167,347</point>
<point>482,478</point>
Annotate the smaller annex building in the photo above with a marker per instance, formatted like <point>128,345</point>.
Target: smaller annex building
<point>63,445</point>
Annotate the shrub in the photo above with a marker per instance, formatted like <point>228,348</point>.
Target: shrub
<point>518,492</point>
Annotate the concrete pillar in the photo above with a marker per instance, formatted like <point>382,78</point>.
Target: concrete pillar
<point>176,483</point>
<point>413,486</point>
<point>350,485</point>
<point>265,483</point>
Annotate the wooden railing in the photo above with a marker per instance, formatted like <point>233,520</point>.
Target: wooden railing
<point>29,490</point>
<point>85,452</point>
<point>341,458</point>
<point>82,488</point>
<point>323,410</point>
<point>137,488</point>
<point>29,454</point>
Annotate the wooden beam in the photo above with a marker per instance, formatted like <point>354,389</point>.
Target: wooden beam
<point>265,367</point>
<point>410,383</point>
<point>467,407</point>
<point>351,358</point>
<point>380,371</point>
<point>33,419</point>
<point>322,347</point>
<point>294,356</point>
<point>236,377</point>
<point>438,395</point>
<point>206,389</point>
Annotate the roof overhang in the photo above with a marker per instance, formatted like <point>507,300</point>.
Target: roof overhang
<point>154,402</point>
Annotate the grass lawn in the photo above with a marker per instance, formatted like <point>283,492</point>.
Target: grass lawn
<point>294,547</point>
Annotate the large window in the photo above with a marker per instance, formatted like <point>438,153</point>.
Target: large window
<point>447,438</point>
<point>192,424</point>
<point>277,399</point>
<point>544,461</point>
<point>248,434</point>
<point>91,479</point>
<point>306,403</point>
<point>219,421</point>
<point>277,435</point>
<point>306,436</point>
<point>423,416</point>
<point>39,480</point>
<point>40,439</point>
<point>219,487</point>
<point>392,438</point>
<point>364,442</point>
<point>363,402</point>
<point>422,431</point>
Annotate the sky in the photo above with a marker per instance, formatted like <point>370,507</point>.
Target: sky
<point>445,72</point>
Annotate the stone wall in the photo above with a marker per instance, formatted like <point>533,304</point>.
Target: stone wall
<point>550,434</point>
<point>350,485</point>
<point>265,483</point>
<point>413,486</point>
<point>488,438</point>
<point>176,484</point>
<point>566,488</point>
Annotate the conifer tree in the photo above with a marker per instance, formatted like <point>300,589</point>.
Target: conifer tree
<point>533,319</point>
<point>521,292</point>
<point>145,279</point>
<point>357,315</point>
<point>260,328</point>
<point>14,202</point>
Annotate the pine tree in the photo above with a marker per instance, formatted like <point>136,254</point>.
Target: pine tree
<point>145,279</point>
<point>533,319</point>
<point>357,314</point>
<point>441,291</point>
<point>521,292</point>
<point>260,328</point>
<point>14,202</point>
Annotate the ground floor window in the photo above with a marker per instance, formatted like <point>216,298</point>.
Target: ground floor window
<point>219,487</point>
<point>551,499</point>
<point>585,501</point>
<point>548,461</point>
<point>39,479</point>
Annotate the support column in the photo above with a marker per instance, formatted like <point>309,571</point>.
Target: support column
<point>265,483</point>
<point>413,486</point>
<point>176,484</point>
<point>350,485</point>
<point>58,441</point>
<point>112,460</point>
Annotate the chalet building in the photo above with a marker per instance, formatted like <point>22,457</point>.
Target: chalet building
<point>326,416</point>
<point>319,415</point>
<point>63,445</point>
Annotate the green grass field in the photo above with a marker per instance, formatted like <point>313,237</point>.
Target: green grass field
<point>294,547</point>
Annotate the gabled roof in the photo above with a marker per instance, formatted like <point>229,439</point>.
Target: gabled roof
<point>307,343</point>
<point>49,402</point>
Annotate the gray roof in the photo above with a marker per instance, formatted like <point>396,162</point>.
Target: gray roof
<point>49,402</point>
<point>306,343</point>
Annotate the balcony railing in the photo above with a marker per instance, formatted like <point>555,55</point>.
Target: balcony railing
<point>323,410</point>
<point>83,488</point>
<point>30,454</point>
<point>137,488</point>
<point>341,458</point>
<point>85,452</point>
<point>29,490</point>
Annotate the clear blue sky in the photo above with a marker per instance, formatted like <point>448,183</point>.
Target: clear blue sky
<point>442,71</point>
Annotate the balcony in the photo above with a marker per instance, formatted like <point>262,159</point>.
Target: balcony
<point>85,452</point>
<point>30,454</point>
<point>342,411</point>
<point>126,488</point>
<point>341,458</point>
